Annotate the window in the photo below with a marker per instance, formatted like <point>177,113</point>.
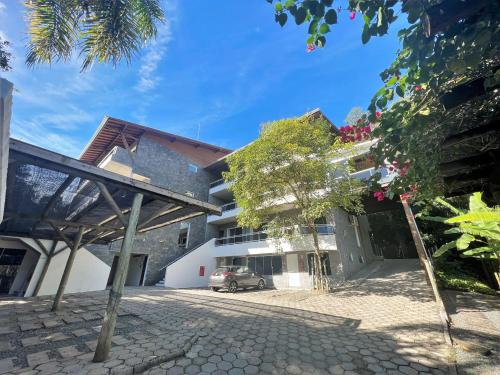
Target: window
<point>266,265</point>
<point>183,238</point>
<point>277,265</point>
<point>325,263</point>
<point>259,265</point>
<point>251,264</point>
<point>193,168</point>
<point>268,270</point>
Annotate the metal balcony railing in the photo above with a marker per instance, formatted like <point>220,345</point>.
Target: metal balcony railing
<point>216,183</point>
<point>322,229</point>
<point>228,206</point>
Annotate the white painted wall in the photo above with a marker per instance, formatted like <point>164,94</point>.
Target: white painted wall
<point>88,273</point>
<point>184,273</point>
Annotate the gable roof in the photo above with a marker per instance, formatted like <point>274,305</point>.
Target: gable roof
<point>115,132</point>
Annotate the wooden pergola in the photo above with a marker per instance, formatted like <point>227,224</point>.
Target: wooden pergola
<point>52,196</point>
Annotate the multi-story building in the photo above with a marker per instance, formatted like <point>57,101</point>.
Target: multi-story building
<point>184,255</point>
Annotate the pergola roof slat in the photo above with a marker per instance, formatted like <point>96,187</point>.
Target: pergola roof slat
<point>48,191</point>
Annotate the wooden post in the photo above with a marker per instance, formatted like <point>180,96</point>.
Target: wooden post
<point>424,260</point>
<point>45,268</point>
<point>67,269</point>
<point>115,294</point>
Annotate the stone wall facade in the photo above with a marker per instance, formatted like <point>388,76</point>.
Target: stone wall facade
<point>168,169</point>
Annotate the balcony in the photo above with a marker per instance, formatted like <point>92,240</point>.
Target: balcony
<point>260,243</point>
<point>220,189</point>
<point>229,213</point>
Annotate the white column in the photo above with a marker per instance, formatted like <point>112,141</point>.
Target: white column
<point>5,113</point>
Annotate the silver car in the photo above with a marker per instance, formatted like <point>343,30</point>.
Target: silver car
<point>234,277</point>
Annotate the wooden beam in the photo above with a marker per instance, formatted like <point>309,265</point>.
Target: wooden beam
<point>67,270</point>
<point>424,260</point>
<point>53,200</point>
<point>158,213</point>
<point>176,220</point>
<point>470,134</point>
<point>41,246</point>
<point>127,147</point>
<point>115,294</point>
<point>42,157</point>
<point>45,268</point>
<point>111,201</point>
<point>62,223</point>
<point>440,17</point>
<point>62,235</point>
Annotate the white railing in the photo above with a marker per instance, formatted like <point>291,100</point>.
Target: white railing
<point>321,229</point>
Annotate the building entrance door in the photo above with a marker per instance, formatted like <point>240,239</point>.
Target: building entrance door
<point>10,262</point>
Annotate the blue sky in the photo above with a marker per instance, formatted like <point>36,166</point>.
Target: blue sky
<point>224,67</point>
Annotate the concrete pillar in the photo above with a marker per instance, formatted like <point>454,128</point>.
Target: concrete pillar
<point>5,112</point>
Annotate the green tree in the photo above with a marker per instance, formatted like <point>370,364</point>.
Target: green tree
<point>290,164</point>
<point>444,44</point>
<point>5,55</point>
<point>101,31</point>
<point>355,115</point>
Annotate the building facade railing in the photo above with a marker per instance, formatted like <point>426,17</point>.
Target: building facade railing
<point>228,206</point>
<point>322,230</point>
<point>217,182</point>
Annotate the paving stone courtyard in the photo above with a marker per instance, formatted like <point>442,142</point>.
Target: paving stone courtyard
<point>386,323</point>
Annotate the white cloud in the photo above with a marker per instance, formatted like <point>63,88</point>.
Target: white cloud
<point>148,79</point>
<point>2,7</point>
<point>41,135</point>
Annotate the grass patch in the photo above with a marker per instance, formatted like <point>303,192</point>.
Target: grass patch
<point>457,274</point>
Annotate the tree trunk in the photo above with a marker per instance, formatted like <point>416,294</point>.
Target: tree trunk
<point>318,278</point>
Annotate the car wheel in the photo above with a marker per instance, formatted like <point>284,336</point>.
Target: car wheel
<point>261,284</point>
<point>233,287</point>
<point>214,289</point>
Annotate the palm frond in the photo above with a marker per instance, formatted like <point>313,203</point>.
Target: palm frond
<point>53,28</point>
<point>453,209</point>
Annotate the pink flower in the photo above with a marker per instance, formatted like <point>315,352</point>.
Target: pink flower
<point>405,196</point>
<point>418,88</point>
<point>352,16</point>
<point>379,195</point>
<point>378,114</point>
<point>310,48</point>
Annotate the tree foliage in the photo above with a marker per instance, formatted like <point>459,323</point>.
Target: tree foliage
<point>478,229</point>
<point>355,115</point>
<point>439,50</point>
<point>5,55</point>
<point>102,31</point>
<point>290,165</point>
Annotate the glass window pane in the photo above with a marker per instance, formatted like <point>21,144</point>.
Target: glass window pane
<point>267,266</point>
<point>259,265</point>
<point>277,265</point>
<point>251,264</point>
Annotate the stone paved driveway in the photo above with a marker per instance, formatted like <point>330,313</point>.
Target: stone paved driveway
<point>386,323</point>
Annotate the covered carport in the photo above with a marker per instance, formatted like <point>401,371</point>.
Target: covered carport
<point>48,196</point>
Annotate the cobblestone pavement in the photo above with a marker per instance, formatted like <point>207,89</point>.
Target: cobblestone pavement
<point>386,324</point>
<point>475,331</point>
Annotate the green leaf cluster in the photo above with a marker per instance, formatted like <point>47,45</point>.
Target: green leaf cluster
<point>478,229</point>
<point>103,31</point>
<point>414,120</point>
